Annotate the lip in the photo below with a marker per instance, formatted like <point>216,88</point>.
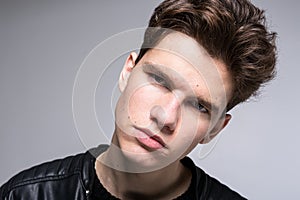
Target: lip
<point>149,139</point>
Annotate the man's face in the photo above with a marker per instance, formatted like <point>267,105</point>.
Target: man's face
<point>170,101</point>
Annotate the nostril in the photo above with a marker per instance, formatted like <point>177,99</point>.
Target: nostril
<point>165,121</point>
<point>158,115</point>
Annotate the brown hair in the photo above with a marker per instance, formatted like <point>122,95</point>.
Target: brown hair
<point>233,31</point>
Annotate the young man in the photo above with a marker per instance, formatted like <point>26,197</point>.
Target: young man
<point>199,59</point>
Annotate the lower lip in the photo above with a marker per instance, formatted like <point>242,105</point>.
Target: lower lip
<point>150,142</point>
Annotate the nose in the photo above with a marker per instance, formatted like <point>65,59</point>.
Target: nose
<point>166,113</point>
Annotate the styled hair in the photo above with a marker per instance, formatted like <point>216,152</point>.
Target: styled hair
<point>233,31</point>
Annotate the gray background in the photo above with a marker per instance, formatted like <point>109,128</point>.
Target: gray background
<point>42,45</point>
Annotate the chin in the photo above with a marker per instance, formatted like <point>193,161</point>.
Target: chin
<point>136,159</point>
<point>143,163</point>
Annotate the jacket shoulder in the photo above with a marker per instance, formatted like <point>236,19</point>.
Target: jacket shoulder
<point>59,169</point>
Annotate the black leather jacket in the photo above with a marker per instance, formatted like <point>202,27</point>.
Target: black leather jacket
<point>73,178</point>
<point>64,179</point>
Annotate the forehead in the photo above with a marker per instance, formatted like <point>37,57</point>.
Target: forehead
<point>187,63</point>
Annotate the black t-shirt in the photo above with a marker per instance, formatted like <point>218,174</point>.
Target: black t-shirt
<point>202,187</point>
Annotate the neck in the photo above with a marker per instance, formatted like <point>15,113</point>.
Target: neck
<point>166,183</point>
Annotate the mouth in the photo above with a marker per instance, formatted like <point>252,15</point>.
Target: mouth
<point>147,138</point>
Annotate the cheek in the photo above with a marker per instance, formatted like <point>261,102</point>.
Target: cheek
<point>140,102</point>
<point>194,126</point>
<point>191,130</point>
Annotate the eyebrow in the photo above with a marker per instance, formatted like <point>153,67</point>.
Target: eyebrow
<point>156,68</point>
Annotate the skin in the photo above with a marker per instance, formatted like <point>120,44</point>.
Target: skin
<point>166,93</point>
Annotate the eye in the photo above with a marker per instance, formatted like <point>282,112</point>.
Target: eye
<point>159,80</point>
<point>195,104</point>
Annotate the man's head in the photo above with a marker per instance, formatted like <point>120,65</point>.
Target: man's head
<point>233,32</point>
<point>198,60</point>
<point>172,99</point>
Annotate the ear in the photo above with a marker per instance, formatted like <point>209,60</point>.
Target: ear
<point>221,124</point>
<point>126,71</point>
